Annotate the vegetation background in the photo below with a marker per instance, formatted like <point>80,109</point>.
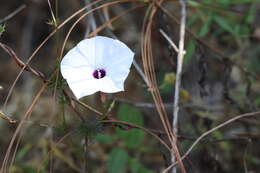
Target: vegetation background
<point>53,132</point>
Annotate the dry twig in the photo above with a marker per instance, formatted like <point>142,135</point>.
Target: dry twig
<point>5,117</point>
<point>179,73</point>
<point>149,70</point>
<point>209,132</point>
<point>169,40</point>
<point>11,15</point>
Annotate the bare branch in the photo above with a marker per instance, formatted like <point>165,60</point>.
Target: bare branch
<point>140,72</point>
<point>20,63</point>
<point>5,117</point>
<point>179,72</point>
<point>179,65</point>
<point>11,15</point>
<point>169,40</point>
<point>210,131</point>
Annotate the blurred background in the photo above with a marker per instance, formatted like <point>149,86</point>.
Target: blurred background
<point>221,79</point>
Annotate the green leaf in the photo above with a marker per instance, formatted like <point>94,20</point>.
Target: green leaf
<point>191,47</point>
<point>63,100</point>
<point>23,151</point>
<point>193,3</point>
<point>257,101</point>
<point>2,29</point>
<point>205,27</point>
<point>223,2</point>
<point>117,161</point>
<point>145,170</point>
<point>28,169</point>
<point>132,137</point>
<point>135,165</point>
<point>250,14</point>
<point>166,88</point>
<point>224,23</point>
<point>90,128</point>
<point>242,1</point>
<point>224,145</point>
<point>130,114</point>
<point>192,20</point>
<point>168,82</point>
<point>103,138</point>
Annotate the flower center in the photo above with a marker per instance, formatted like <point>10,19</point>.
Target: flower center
<point>99,73</point>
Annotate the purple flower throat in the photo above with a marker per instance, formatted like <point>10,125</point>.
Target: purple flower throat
<point>99,73</point>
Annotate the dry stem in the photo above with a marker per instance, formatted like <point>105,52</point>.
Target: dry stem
<point>11,15</point>
<point>179,72</point>
<point>209,132</point>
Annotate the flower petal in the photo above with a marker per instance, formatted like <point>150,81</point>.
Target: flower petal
<point>118,75</point>
<point>74,59</point>
<point>119,55</point>
<point>92,51</point>
<point>104,52</point>
<point>84,88</point>
<point>107,85</point>
<point>74,74</point>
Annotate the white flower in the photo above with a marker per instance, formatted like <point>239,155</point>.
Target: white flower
<point>97,64</point>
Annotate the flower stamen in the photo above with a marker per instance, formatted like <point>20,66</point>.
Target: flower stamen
<point>99,73</point>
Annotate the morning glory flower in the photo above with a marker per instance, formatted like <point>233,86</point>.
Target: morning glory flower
<point>97,64</point>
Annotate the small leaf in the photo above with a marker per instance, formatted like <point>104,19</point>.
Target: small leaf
<point>224,145</point>
<point>224,24</point>
<point>28,169</point>
<point>170,78</point>
<point>117,161</point>
<point>63,157</point>
<point>192,20</point>
<point>135,165</point>
<point>257,101</point>
<point>250,14</point>
<point>145,170</point>
<point>191,47</point>
<point>209,115</point>
<point>132,137</point>
<point>103,138</point>
<point>90,128</point>
<point>167,86</point>
<point>242,1</point>
<point>2,29</point>
<point>205,27</point>
<point>63,100</point>
<point>193,3</point>
<point>23,151</point>
<point>185,95</point>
